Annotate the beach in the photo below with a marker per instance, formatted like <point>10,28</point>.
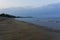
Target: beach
<point>11,29</point>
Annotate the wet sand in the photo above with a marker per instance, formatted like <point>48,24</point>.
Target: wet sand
<point>11,29</point>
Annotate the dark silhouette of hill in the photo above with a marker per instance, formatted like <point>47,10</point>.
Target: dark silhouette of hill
<point>12,16</point>
<point>7,15</point>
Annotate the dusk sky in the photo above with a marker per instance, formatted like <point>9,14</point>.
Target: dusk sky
<point>26,3</point>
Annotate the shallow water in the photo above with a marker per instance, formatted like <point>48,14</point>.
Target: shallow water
<point>49,23</point>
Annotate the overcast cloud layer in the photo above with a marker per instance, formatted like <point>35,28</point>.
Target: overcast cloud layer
<point>26,3</point>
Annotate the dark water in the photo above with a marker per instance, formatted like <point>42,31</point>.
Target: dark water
<point>46,22</point>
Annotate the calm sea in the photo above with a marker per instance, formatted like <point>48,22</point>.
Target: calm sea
<point>53,23</point>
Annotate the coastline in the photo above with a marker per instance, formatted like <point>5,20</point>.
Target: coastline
<point>55,34</point>
<point>11,29</point>
<point>42,27</point>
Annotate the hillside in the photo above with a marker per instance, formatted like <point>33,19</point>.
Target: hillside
<point>11,29</point>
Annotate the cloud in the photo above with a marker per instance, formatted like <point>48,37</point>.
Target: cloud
<point>23,3</point>
<point>51,10</point>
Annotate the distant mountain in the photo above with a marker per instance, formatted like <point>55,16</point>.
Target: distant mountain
<point>51,10</point>
<point>7,15</point>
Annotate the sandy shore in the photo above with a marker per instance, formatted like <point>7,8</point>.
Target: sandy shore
<point>11,29</point>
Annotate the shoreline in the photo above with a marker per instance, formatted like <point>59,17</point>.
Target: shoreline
<point>42,27</point>
<point>11,29</point>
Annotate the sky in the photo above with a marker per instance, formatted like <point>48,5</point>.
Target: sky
<point>26,3</point>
